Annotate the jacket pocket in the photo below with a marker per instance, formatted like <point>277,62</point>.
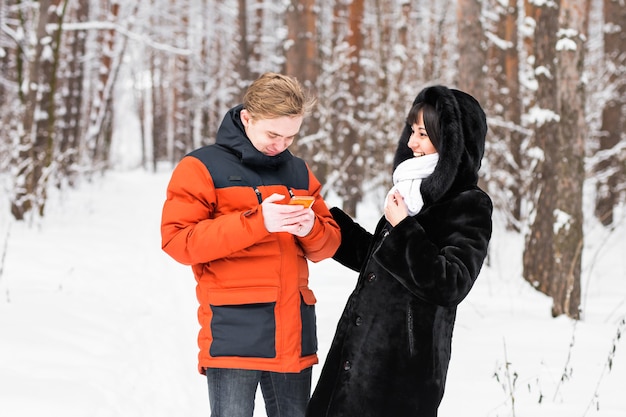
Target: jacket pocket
<point>243,322</point>
<point>307,315</point>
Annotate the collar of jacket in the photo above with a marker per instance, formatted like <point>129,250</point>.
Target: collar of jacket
<point>232,135</point>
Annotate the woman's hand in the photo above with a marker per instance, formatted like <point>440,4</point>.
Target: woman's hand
<point>395,208</point>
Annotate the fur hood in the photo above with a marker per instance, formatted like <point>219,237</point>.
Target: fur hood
<point>463,127</point>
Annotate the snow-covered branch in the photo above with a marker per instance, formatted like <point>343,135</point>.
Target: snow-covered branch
<point>141,38</point>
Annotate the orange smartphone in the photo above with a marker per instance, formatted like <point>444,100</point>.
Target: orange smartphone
<point>302,200</point>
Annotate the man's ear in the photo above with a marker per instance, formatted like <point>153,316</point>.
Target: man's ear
<point>245,117</point>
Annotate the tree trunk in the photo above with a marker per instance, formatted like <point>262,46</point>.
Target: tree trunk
<point>301,62</point>
<point>10,102</point>
<point>46,124</point>
<point>182,108</point>
<point>611,169</point>
<point>552,256</point>
<point>435,59</point>
<point>71,132</point>
<point>244,49</point>
<point>570,169</point>
<point>472,55</point>
<point>301,55</point>
<point>539,252</point>
<point>100,139</point>
<point>505,105</point>
<point>35,154</point>
<point>353,144</point>
<point>160,149</point>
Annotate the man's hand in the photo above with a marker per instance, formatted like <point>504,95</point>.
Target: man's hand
<point>294,219</point>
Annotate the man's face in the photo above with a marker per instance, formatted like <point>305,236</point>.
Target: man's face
<point>271,136</point>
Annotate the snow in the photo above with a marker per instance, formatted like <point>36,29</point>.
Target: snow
<point>539,116</point>
<point>566,44</point>
<point>95,320</point>
<point>498,41</point>
<point>563,220</point>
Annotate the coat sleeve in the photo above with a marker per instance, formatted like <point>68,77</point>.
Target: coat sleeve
<point>324,238</point>
<point>190,233</point>
<point>443,271</point>
<point>355,241</point>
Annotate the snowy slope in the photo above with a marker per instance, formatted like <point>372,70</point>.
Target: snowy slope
<point>95,320</point>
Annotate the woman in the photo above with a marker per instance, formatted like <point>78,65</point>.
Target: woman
<point>392,345</point>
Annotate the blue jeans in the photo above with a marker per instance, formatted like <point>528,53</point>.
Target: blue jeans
<point>232,392</point>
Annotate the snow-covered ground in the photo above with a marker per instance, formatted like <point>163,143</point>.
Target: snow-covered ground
<point>95,320</point>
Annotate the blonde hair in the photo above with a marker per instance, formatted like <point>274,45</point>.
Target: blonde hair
<point>275,95</point>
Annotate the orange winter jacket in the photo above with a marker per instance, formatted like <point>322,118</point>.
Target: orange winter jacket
<point>256,309</point>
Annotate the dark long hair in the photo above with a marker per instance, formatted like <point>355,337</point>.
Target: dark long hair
<point>431,121</point>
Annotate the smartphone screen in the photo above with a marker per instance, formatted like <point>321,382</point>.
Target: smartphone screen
<point>302,200</point>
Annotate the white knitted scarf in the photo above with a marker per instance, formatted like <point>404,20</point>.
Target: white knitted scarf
<point>408,176</point>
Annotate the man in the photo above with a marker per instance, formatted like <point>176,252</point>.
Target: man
<point>226,215</point>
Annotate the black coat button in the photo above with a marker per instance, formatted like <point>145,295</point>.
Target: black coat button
<point>358,320</point>
<point>371,277</point>
<point>347,365</point>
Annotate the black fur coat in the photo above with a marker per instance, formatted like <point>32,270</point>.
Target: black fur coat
<point>390,353</point>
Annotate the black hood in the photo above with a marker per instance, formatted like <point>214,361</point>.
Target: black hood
<point>232,135</point>
<point>462,127</point>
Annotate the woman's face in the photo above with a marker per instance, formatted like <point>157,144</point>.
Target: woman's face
<point>271,136</point>
<point>419,142</point>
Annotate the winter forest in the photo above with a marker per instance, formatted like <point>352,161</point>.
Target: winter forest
<point>549,73</point>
